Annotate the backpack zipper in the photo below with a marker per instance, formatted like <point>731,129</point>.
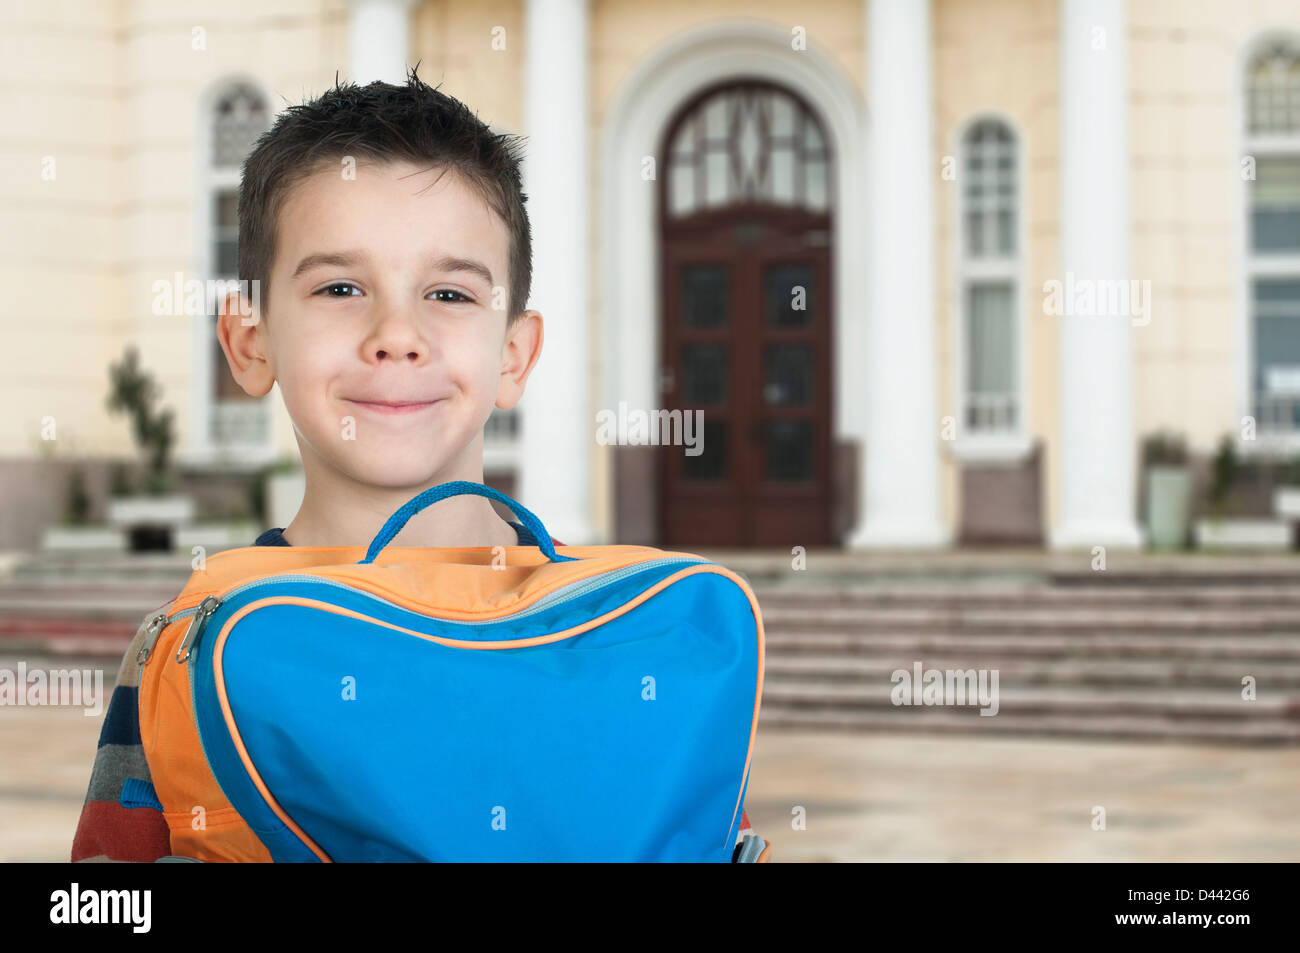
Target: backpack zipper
<point>201,616</point>
<point>204,610</point>
<point>156,625</point>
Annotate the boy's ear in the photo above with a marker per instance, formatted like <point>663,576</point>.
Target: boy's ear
<point>239,329</point>
<point>519,352</point>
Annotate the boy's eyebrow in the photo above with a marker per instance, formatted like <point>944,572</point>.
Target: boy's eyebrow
<point>452,263</point>
<point>350,259</point>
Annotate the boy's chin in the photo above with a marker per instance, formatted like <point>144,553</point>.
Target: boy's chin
<point>395,474</point>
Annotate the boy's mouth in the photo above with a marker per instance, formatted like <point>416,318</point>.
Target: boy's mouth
<point>394,406</point>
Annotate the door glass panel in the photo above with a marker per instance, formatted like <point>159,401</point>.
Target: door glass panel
<point>715,178</point>
<point>818,196</point>
<point>704,296</point>
<point>783,177</point>
<point>812,140</point>
<point>783,115</point>
<point>789,374</point>
<point>681,188</point>
<point>711,462</point>
<point>787,295</point>
<point>789,449</point>
<point>704,374</point>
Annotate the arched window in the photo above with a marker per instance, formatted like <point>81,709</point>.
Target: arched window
<point>749,142</point>
<point>989,319</point>
<point>1272,141</point>
<point>238,115</point>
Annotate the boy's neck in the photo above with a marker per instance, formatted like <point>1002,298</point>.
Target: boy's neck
<point>338,511</point>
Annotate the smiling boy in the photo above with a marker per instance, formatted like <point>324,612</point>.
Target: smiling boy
<point>393,270</point>
<point>386,230</point>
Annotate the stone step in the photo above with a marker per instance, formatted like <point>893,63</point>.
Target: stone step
<point>1255,731</point>
<point>120,599</point>
<point>1192,570</point>
<point>853,575</point>
<point>84,606</point>
<point>103,562</point>
<point>106,647</point>
<point>1278,648</point>
<point>1079,622</point>
<point>1082,700</point>
<point>985,597</point>
<point>1018,671</point>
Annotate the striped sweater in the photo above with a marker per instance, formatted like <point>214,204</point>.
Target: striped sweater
<point>121,817</point>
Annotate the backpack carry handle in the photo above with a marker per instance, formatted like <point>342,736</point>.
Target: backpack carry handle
<point>457,488</point>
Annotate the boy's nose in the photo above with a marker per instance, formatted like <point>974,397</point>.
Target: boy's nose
<point>398,339</point>
<point>382,354</point>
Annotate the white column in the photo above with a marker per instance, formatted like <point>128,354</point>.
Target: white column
<point>379,40</point>
<point>557,420</point>
<point>900,471</point>
<point>1098,447</point>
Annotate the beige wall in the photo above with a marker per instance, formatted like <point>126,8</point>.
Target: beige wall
<point>59,247</point>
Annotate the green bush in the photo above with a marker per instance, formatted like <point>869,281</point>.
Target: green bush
<point>1164,448</point>
<point>1223,473</point>
<point>134,392</point>
<point>77,509</point>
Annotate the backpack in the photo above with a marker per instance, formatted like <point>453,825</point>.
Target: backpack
<point>514,703</point>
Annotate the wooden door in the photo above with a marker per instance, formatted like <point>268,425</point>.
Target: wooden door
<point>746,340</point>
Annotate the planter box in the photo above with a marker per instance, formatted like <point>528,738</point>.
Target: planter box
<point>1286,502</point>
<point>1169,494</point>
<point>214,537</point>
<point>72,538</point>
<point>11,560</point>
<point>1266,534</point>
<point>150,510</point>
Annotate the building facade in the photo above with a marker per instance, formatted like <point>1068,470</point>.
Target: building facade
<point>929,269</point>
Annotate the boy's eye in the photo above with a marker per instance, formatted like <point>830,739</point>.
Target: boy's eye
<point>328,290</point>
<point>338,284</point>
<point>452,291</point>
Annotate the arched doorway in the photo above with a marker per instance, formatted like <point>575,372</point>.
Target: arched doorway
<point>745,329</point>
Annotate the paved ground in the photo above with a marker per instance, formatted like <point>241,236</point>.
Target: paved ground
<point>865,796</point>
<point>906,797</point>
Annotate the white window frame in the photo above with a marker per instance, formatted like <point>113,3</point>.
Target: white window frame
<point>1270,445</point>
<point>1013,444</point>
<point>203,450</point>
<point>504,452</point>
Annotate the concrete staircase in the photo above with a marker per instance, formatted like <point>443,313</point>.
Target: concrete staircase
<point>83,604</point>
<point>1154,652</point>
<point>1154,647</point>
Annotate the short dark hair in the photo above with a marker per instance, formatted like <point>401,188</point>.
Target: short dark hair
<point>385,123</point>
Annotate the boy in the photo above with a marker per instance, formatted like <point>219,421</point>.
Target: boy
<point>384,233</point>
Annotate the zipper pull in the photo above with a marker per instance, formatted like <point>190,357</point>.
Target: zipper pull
<point>206,608</point>
<point>156,625</point>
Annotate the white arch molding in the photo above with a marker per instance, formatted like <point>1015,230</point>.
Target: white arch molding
<point>638,116</point>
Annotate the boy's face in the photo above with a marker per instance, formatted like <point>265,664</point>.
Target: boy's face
<point>386,324</point>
